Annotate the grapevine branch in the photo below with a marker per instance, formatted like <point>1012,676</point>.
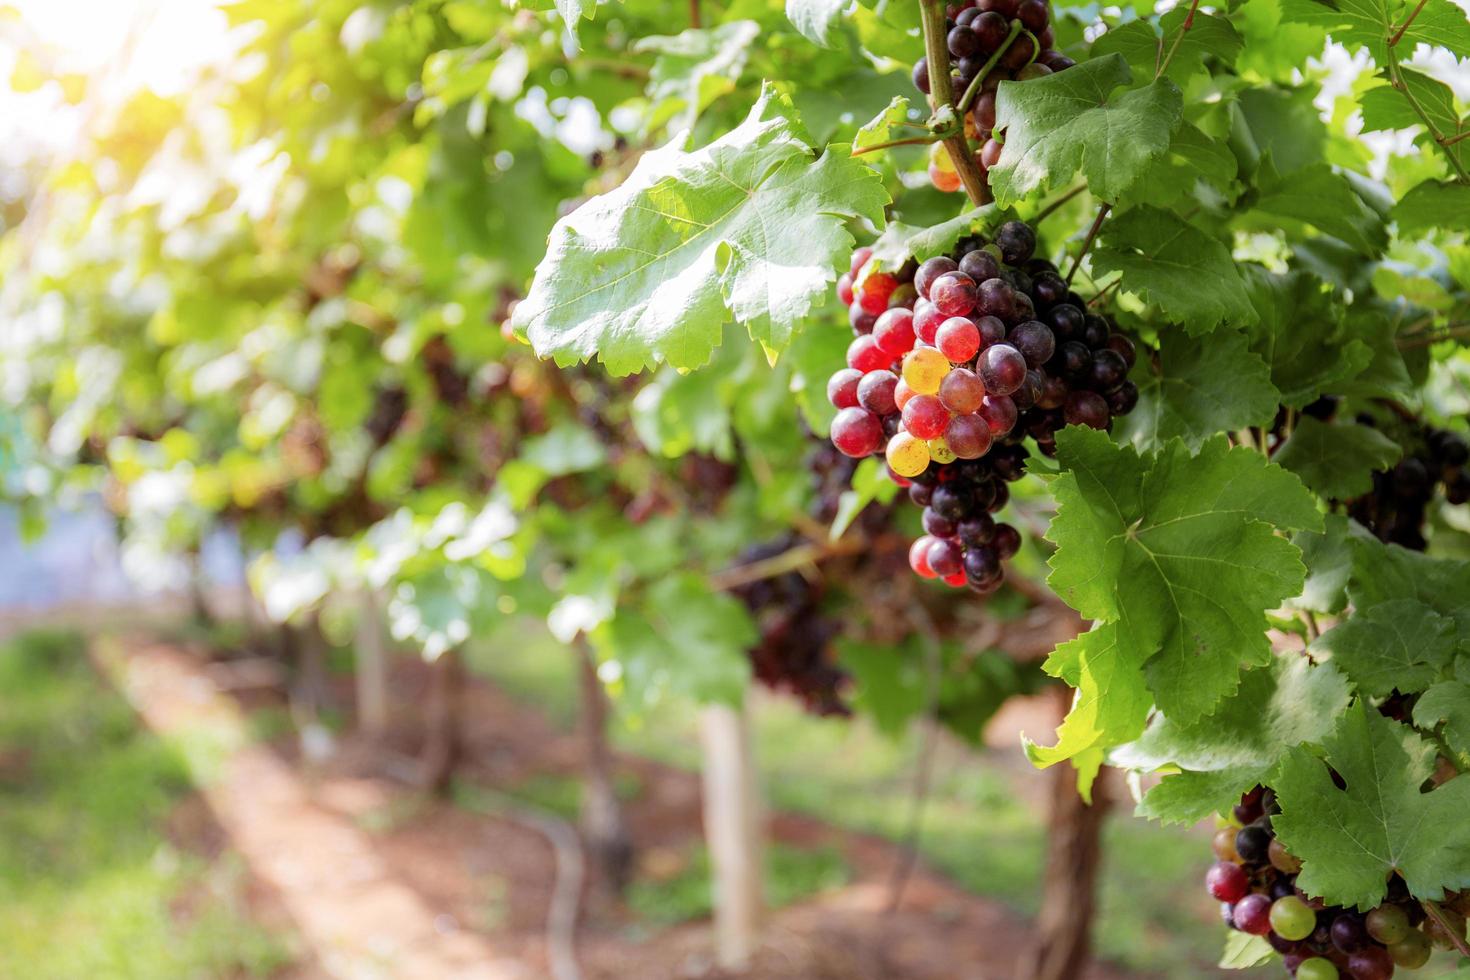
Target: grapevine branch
<point>1178,40</point>
<point>906,141</point>
<point>924,765</point>
<point>1397,77</point>
<point>941,94</point>
<point>789,560</point>
<point>1428,338</point>
<point>1102,214</point>
<point>1051,208</point>
<point>1437,914</point>
<point>1398,35</point>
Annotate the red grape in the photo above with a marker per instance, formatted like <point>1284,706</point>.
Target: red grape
<point>957,339</point>
<point>842,388</point>
<point>844,289</point>
<point>859,259</point>
<point>1253,914</point>
<point>999,413</point>
<point>1003,369</point>
<point>919,557</point>
<point>873,291</point>
<point>930,270</point>
<point>1227,881</point>
<point>945,558</point>
<point>865,355</point>
<point>953,294</point>
<point>875,392</point>
<point>968,436</point>
<point>1087,408</point>
<point>926,322</point>
<point>925,417</point>
<point>857,432</point>
<point>961,391</point>
<point>894,332</point>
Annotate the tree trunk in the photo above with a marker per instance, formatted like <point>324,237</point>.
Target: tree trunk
<point>309,690</point>
<point>371,669</point>
<point>603,823</point>
<point>441,723</point>
<point>733,831</point>
<point>198,590</point>
<point>1063,945</point>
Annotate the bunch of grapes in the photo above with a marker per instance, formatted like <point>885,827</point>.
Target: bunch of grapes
<point>1254,877</point>
<point>794,651</point>
<point>1394,510</point>
<point>956,361</point>
<point>1020,30</point>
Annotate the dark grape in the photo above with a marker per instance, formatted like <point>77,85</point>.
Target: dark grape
<point>1003,368</point>
<point>1035,341</point>
<point>1253,844</point>
<point>875,392</point>
<point>932,269</point>
<point>979,264</point>
<point>1086,408</point>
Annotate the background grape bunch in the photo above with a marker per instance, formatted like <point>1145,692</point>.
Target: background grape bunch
<point>956,361</point>
<point>989,41</point>
<point>1395,510</point>
<point>1254,877</point>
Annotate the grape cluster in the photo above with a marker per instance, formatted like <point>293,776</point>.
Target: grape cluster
<point>1254,877</point>
<point>1020,30</point>
<point>955,362</point>
<point>1395,508</point>
<point>794,650</point>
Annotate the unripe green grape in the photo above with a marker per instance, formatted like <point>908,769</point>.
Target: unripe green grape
<point>1291,919</point>
<point>1412,951</point>
<point>1388,924</point>
<point>1316,968</point>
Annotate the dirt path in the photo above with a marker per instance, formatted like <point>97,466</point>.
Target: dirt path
<point>359,918</point>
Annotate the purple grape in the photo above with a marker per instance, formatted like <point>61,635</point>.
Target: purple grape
<point>1003,368</point>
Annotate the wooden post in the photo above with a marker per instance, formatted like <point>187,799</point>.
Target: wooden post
<point>1069,885</point>
<point>310,692</point>
<point>371,673</point>
<point>198,588</point>
<point>603,823</point>
<point>733,830</point>
<point>441,723</point>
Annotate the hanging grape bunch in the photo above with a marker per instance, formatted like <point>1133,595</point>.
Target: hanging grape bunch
<point>955,362</point>
<point>989,42</point>
<point>1395,509</point>
<point>1254,877</point>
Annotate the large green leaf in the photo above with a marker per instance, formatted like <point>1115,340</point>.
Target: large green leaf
<point>750,226</point>
<point>1447,704</point>
<point>1323,199</point>
<point>1198,387</point>
<point>1188,275</point>
<point>1180,551</point>
<point>815,18</point>
<point>1337,460</point>
<point>1370,23</point>
<point>1399,645</point>
<point>1143,45</point>
<point>1432,205</point>
<point>1349,839</point>
<point>1300,334</point>
<point>1227,752</point>
<point>1386,571</point>
<point>695,68</point>
<point>1067,122</point>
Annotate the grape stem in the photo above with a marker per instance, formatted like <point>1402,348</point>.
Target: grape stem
<point>695,20</point>
<point>1428,338</point>
<point>906,141</point>
<point>1096,300</point>
<point>941,93</point>
<point>789,560</point>
<point>1437,914</point>
<point>1396,75</point>
<point>1178,40</point>
<point>1047,211</point>
<point>1398,35</point>
<point>1102,213</point>
<point>973,90</point>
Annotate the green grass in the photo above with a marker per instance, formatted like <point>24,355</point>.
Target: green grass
<point>92,888</point>
<point>792,873</point>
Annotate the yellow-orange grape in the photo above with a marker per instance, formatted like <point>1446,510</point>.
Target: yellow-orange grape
<point>940,452</point>
<point>939,157</point>
<point>946,181</point>
<point>923,369</point>
<point>908,456</point>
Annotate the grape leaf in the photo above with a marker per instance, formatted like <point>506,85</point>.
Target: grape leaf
<point>1448,703</point>
<point>813,19</point>
<point>1322,198</point>
<point>694,68</point>
<point>1432,205</point>
<point>1200,386</point>
<point>880,128</point>
<point>1229,751</point>
<point>1300,334</point>
<point>900,241</point>
<point>681,637</point>
<point>1143,47</point>
<point>1181,552</point>
<point>1110,707</point>
<point>1328,555</point>
<point>1192,158</point>
<point>1370,23</point>
<point>1285,125</point>
<point>1384,571</point>
<point>1336,461</point>
<point>1350,839</point>
<point>1063,123</point>
<point>1401,643</point>
<point>750,225</point>
<point>1190,276</point>
<point>1244,952</point>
